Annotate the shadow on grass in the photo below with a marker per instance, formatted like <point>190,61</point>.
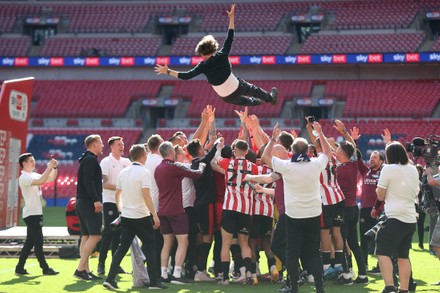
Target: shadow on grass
<point>80,285</point>
<point>23,279</point>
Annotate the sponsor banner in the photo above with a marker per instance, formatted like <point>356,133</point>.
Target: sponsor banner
<point>430,57</point>
<point>433,14</point>
<point>15,101</point>
<point>117,61</point>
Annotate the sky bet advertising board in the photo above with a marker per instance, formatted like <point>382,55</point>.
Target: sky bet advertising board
<point>300,59</point>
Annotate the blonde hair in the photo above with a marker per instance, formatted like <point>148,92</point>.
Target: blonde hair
<point>91,139</point>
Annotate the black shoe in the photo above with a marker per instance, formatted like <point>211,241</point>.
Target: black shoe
<point>82,275</point>
<point>50,272</point>
<point>374,271</point>
<point>93,276</point>
<point>101,269</point>
<point>179,281</point>
<point>360,280</point>
<point>343,281</point>
<point>21,272</point>
<point>389,290</point>
<point>110,284</point>
<point>156,286</point>
<point>167,280</point>
<point>412,286</point>
<point>274,95</point>
<point>120,271</point>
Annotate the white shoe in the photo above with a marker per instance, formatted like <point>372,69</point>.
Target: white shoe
<point>203,277</point>
<point>352,274</point>
<point>240,279</point>
<point>310,279</point>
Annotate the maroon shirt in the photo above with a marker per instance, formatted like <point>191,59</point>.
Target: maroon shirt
<point>369,183</point>
<point>169,175</point>
<point>279,195</point>
<point>347,180</point>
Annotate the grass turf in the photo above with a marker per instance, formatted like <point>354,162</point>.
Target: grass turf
<point>426,270</point>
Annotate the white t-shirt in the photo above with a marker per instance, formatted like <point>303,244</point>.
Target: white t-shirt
<point>152,161</point>
<point>131,181</point>
<point>402,186</point>
<point>31,194</point>
<point>188,190</point>
<point>111,167</point>
<point>302,197</point>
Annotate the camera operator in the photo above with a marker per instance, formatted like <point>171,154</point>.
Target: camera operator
<point>435,239</point>
<point>398,186</point>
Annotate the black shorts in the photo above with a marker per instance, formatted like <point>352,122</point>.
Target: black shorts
<point>235,222</point>
<point>394,238</point>
<point>332,215</point>
<point>261,227</point>
<point>205,218</point>
<point>89,221</point>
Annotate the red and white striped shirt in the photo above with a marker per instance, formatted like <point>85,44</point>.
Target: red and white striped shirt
<point>330,191</point>
<point>238,196</point>
<point>263,203</point>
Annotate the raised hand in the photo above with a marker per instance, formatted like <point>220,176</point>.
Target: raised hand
<point>317,127</point>
<point>339,126</point>
<point>242,115</point>
<point>231,13</point>
<point>294,134</point>
<point>386,136</point>
<point>276,132</point>
<point>354,133</point>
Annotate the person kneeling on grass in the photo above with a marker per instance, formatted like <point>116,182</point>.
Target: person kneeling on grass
<point>217,68</point>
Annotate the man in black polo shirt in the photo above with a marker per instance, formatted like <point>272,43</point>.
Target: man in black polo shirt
<point>204,203</point>
<point>217,68</point>
<point>89,203</point>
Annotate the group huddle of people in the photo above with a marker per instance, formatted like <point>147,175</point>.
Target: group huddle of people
<point>279,193</point>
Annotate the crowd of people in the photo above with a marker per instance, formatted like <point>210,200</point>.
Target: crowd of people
<point>276,192</point>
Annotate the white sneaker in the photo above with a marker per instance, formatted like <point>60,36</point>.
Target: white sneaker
<point>310,279</point>
<point>240,279</point>
<point>352,274</point>
<point>203,277</point>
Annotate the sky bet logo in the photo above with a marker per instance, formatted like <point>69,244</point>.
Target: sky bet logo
<point>290,59</point>
<point>434,57</point>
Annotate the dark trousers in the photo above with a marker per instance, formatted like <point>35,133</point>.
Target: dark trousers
<point>248,94</point>
<point>217,252</point>
<point>191,254</point>
<point>366,223</point>
<point>303,241</point>
<point>109,237</point>
<point>142,228</point>
<point>278,244</point>
<point>350,233</point>
<point>34,239</point>
<point>421,226</point>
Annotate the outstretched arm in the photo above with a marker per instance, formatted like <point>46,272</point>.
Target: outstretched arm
<point>185,75</point>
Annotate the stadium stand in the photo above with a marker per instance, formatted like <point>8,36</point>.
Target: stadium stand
<point>436,45</point>
<point>15,46</point>
<point>102,46</point>
<point>371,14</point>
<point>243,45</point>
<point>386,98</point>
<point>362,43</point>
<point>80,98</point>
